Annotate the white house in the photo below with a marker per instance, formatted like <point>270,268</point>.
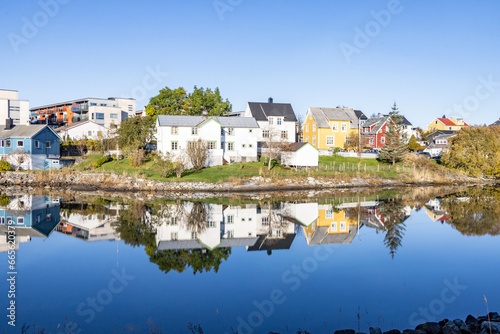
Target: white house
<point>274,119</point>
<point>233,139</point>
<point>438,141</point>
<point>300,155</point>
<point>85,129</point>
<point>12,107</point>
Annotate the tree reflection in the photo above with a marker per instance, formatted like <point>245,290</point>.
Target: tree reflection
<point>394,215</point>
<point>137,227</point>
<point>475,211</point>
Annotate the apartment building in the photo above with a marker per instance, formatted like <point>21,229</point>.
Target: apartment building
<point>12,107</point>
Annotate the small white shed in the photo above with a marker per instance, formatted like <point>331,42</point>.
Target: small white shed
<point>300,155</point>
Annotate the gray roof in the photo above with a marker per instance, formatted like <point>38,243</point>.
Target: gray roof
<point>497,123</point>
<point>195,244</point>
<point>323,116</point>
<point>194,121</point>
<point>379,122</point>
<point>22,131</point>
<point>441,134</point>
<point>322,237</point>
<point>74,125</point>
<point>261,111</point>
<point>265,243</point>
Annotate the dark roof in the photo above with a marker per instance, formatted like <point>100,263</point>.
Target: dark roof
<point>323,116</point>
<point>261,111</point>
<point>497,123</point>
<point>440,133</point>
<point>322,237</point>
<point>294,147</point>
<point>264,243</point>
<point>360,114</point>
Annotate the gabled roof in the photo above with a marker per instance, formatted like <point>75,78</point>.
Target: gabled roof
<point>497,123</point>
<point>440,133</point>
<point>264,243</point>
<point>323,116</point>
<point>378,122</point>
<point>261,111</point>
<point>24,131</point>
<point>194,121</point>
<point>74,125</point>
<point>294,147</point>
<point>447,121</point>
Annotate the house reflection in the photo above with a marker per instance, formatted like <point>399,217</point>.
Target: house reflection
<point>90,222</point>
<point>32,216</point>
<point>208,226</point>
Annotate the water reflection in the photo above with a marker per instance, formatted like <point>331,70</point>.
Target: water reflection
<point>32,216</point>
<point>190,234</point>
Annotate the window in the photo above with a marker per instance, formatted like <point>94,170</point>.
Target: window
<point>175,146</point>
<point>230,234</point>
<point>307,139</point>
<point>20,143</point>
<point>310,116</point>
<point>314,140</point>
<point>174,130</point>
<point>270,121</point>
<point>194,131</point>
<point>265,134</point>
<point>103,105</point>
<point>382,140</point>
<point>230,146</point>
<point>221,131</point>
<point>371,140</point>
<point>93,104</point>
<point>242,219</point>
<point>47,144</point>
<point>99,115</point>
<point>212,224</point>
<point>265,220</point>
<point>48,217</point>
<point>307,127</point>
<point>230,131</point>
<point>335,127</point>
<point>174,236</point>
<point>230,219</point>
<point>173,220</point>
<point>243,146</point>
<point>37,144</point>
<point>113,115</point>
<point>250,145</point>
<point>2,221</point>
<point>194,235</point>
<point>279,120</point>
<point>7,143</point>
<point>20,221</point>
<point>212,145</point>
<point>330,140</point>
<point>90,133</point>
<point>284,135</point>
<point>343,227</point>
<point>314,127</point>
<point>450,127</point>
<point>277,233</point>
<point>334,227</point>
<point>329,214</point>
<point>2,143</point>
<point>250,131</point>
<point>344,127</point>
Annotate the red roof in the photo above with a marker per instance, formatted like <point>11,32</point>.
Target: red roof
<point>446,121</point>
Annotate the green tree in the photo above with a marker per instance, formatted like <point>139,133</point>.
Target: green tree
<point>476,151</point>
<point>135,133</point>
<point>394,148</point>
<point>179,102</point>
<point>5,166</point>
<point>394,217</point>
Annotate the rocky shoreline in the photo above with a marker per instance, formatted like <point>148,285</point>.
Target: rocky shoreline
<point>488,324</point>
<point>107,182</point>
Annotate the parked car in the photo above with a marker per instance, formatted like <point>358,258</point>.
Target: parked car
<point>371,150</point>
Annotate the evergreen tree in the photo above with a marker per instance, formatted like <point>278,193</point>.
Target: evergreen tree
<point>394,148</point>
<point>394,217</point>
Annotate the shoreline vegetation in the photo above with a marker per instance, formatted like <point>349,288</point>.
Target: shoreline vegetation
<point>333,172</point>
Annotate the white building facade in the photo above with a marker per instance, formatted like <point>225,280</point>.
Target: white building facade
<point>12,107</point>
<point>230,139</point>
<point>85,129</point>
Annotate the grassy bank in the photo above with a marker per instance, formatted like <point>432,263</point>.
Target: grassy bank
<point>335,167</point>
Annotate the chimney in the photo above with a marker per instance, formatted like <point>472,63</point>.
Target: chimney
<point>204,113</point>
<point>9,123</point>
<point>270,100</point>
<point>444,116</point>
<point>380,115</point>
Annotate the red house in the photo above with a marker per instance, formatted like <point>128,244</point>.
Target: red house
<point>374,131</point>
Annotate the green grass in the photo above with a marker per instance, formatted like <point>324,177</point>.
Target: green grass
<point>328,166</point>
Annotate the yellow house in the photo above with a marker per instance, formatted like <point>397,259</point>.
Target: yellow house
<point>326,128</point>
<point>331,227</point>
<point>450,124</point>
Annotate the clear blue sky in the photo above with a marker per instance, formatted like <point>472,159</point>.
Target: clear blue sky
<point>428,58</point>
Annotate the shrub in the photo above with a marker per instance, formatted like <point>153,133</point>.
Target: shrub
<point>4,166</point>
<point>137,157</point>
<point>102,161</point>
<point>164,166</point>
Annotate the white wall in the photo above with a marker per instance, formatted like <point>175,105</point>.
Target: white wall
<point>306,156</point>
<point>89,130</point>
<point>245,144</point>
<point>12,107</point>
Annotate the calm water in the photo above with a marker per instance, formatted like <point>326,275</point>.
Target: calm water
<point>387,259</point>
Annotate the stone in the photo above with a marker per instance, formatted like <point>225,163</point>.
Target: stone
<point>430,328</point>
<point>443,322</point>
<point>470,320</point>
<point>393,331</point>
<point>495,326</point>
<point>451,328</point>
<point>493,316</point>
<point>345,331</point>
<point>375,330</point>
<point>413,331</point>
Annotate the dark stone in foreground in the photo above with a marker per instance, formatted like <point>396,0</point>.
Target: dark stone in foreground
<point>393,331</point>
<point>375,330</point>
<point>345,331</point>
<point>430,328</point>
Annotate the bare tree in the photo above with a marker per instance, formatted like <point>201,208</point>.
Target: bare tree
<point>273,144</point>
<point>18,157</point>
<point>197,152</point>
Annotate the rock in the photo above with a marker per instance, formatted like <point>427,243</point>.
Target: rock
<point>413,331</point>
<point>451,328</point>
<point>392,331</point>
<point>430,328</point>
<point>459,322</point>
<point>493,316</point>
<point>470,320</point>
<point>443,322</point>
<point>495,327</point>
<point>375,330</point>
<point>345,331</point>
